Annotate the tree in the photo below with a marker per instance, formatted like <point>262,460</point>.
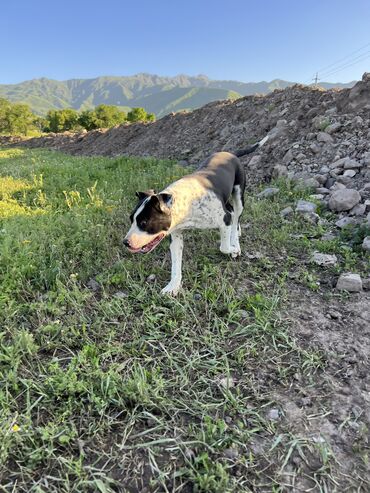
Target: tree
<point>16,119</point>
<point>137,115</point>
<point>104,116</point>
<point>62,120</point>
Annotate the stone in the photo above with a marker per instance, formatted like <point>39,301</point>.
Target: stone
<point>151,278</point>
<point>303,206</point>
<point>268,192</point>
<point>312,217</point>
<point>273,414</point>
<point>366,284</point>
<point>288,211</point>
<point>183,163</point>
<point>345,180</point>
<point>288,156</point>
<point>344,200</point>
<point>324,259</point>
<point>255,161</point>
<point>323,191</point>
<point>352,164</point>
<point>350,172</point>
<point>93,285</point>
<point>349,282</point>
<point>328,236</point>
<point>337,186</point>
<point>315,148</point>
<point>120,295</point>
<point>366,244</point>
<point>307,183</point>
<point>358,210</point>
<point>231,453</point>
<point>344,222</point>
<point>197,296</point>
<point>279,171</point>
<point>333,128</point>
<point>324,137</point>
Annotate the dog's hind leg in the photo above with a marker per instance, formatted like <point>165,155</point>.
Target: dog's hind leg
<point>237,202</point>
<point>176,248</point>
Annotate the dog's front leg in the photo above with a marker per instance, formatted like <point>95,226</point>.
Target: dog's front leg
<point>176,248</point>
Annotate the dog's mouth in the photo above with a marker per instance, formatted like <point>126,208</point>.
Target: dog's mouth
<point>149,246</point>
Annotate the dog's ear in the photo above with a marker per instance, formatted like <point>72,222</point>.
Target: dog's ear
<point>166,199</point>
<point>163,201</point>
<point>144,195</point>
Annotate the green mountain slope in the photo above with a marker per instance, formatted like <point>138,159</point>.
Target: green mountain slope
<point>159,95</point>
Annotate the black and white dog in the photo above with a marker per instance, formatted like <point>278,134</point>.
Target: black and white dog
<point>212,197</point>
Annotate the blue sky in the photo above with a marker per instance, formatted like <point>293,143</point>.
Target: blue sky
<point>247,40</point>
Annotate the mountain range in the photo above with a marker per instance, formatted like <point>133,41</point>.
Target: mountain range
<point>157,94</point>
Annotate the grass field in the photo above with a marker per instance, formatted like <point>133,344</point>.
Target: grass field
<point>106,386</point>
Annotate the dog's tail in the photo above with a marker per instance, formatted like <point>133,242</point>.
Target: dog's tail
<point>252,148</point>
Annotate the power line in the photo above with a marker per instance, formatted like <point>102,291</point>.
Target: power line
<point>356,60</point>
<point>323,69</point>
<point>337,66</point>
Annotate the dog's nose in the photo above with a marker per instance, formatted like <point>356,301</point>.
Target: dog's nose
<point>126,242</point>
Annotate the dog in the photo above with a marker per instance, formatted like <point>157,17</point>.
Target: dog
<point>211,197</point>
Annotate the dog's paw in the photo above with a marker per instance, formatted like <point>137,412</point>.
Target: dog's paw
<point>235,252</point>
<point>171,290</point>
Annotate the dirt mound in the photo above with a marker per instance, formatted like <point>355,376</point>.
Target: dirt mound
<point>318,138</point>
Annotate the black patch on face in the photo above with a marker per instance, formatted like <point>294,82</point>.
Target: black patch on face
<point>155,217</point>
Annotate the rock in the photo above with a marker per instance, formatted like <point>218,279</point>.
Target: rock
<point>328,236</point>
<point>255,161</point>
<point>344,222</point>
<point>349,282</point>
<point>307,183</point>
<point>279,171</point>
<point>315,148</point>
<point>120,295</point>
<point>243,314</point>
<point>288,157</point>
<point>288,211</point>
<point>323,191</point>
<point>197,297</point>
<point>93,285</point>
<point>352,164</point>
<point>358,210</point>
<point>151,278</point>
<point>345,180</point>
<point>344,200</point>
<point>311,217</point>
<point>268,192</point>
<point>333,128</point>
<point>231,453</point>
<point>366,284</point>
<point>273,414</point>
<point>337,186</point>
<point>350,172</point>
<point>324,137</point>
<point>183,163</point>
<point>324,259</point>
<point>303,206</point>
<point>334,314</point>
<point>366,244</point>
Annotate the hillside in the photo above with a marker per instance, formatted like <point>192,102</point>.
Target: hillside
<point>159,95</point>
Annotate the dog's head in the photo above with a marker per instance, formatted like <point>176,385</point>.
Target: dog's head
<point>150,221</point>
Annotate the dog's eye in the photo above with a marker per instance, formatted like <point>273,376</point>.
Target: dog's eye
<point>143,224</point>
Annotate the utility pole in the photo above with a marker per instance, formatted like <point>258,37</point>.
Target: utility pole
<point>316,79</point>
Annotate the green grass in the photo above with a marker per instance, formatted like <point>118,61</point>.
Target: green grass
<point>122,389</point>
